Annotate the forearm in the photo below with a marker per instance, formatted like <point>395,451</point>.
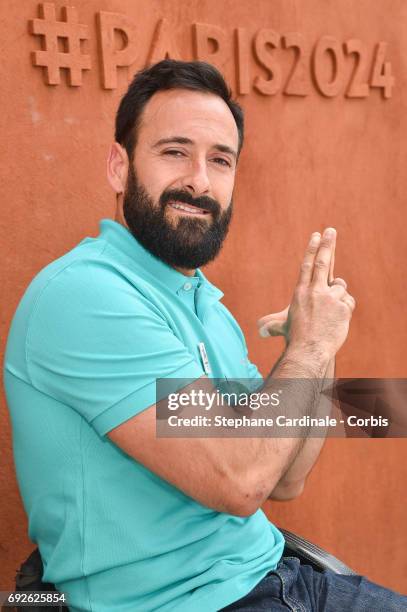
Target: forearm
<point>292,482</point>
<point>226,473</point>
<point>272,457</point>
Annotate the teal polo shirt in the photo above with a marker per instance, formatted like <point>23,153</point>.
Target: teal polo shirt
<point>91,335</point>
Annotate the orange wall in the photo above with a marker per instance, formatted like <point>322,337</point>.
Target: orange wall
<point>309,161</point>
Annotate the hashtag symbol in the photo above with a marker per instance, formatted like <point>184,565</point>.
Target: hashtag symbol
<point>66,34</point>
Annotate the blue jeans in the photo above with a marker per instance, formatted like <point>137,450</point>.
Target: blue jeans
<point>299,588</point>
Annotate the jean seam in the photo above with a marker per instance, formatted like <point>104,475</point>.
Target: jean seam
<point>294,604</point>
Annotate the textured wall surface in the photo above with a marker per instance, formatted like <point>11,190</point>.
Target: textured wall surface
<point>324,146</point>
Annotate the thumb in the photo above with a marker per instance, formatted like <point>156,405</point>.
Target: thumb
<point>273,324</point>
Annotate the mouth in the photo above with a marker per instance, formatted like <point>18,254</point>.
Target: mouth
<point>192,211</point>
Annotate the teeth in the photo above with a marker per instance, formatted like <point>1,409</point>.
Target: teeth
<point>186,208</point>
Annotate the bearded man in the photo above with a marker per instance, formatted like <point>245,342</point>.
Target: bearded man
<point>124,520</point>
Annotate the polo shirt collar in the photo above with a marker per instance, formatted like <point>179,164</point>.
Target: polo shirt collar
<point>120,237</point>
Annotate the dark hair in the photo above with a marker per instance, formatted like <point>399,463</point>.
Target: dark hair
<point>169,74</point>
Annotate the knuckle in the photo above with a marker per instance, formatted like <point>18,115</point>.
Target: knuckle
<point>306,265</point>
<point>331,299</point>
<point>321,264</point>
<point>339,281</point>
<point>349,304</point>
<point>325,243</point>
<point>345,310</point>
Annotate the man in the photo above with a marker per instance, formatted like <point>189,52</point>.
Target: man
<point>124,520</point>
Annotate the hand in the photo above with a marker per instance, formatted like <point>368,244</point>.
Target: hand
<point>275,324</point>
<point>319,315</point>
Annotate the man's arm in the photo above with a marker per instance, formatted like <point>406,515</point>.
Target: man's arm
<point>236,475</point>
<point>227,474</point>
<point>292,482</point>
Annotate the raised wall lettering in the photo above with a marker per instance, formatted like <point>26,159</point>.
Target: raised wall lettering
<point>163,44</point>
<point>108,25</point>
<point>328,49</point>
<point>264,40</point>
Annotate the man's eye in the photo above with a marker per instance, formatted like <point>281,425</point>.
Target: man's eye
<point>174,153</point>
<point>222,162</point>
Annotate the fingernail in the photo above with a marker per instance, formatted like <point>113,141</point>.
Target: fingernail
<point>263,331</point>
<point>315,238</point>
<point>330,231</point>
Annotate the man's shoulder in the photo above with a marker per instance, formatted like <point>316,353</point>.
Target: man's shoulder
<point>83,282</point>
<point>87,266</point>
<point>84,295</point>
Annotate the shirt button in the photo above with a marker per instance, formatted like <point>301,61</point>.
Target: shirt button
<point>187,286</point>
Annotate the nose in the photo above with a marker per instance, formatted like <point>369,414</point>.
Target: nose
<point>196,181</point>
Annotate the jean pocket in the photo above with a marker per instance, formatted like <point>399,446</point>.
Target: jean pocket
<point>287,570</point>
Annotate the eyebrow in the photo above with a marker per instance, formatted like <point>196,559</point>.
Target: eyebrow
<point>182,140</point>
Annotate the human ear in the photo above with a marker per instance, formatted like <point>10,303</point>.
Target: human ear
<point>117,167</point>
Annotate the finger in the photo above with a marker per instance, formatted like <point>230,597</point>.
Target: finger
<point>309,258</point>
<point>338,281</point>
<point>264,332</point>
<point>338,291</point>
<point>273,328</point>
<point>350,301</point>
<point>332,264</point>
<point>275,316</point>
<point>323,259</point>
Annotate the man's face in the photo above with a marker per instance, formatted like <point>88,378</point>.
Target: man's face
<point>178,198</point>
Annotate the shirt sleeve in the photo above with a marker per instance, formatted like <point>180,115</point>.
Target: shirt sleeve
<point>95,343</point>
<point>255,380</point>
<point>254,374</point>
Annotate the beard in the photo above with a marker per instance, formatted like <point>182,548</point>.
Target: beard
<point>186,242</point>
